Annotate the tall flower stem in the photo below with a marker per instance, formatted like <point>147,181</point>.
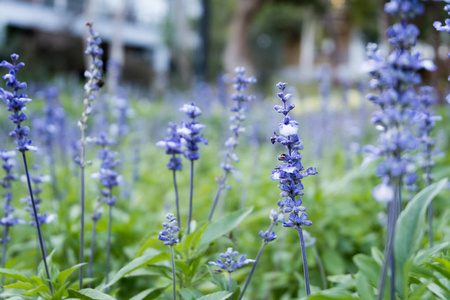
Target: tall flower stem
<point>108,247</point>
<point>91,255</point>
<point>430,207</point>
<point>176,195</point>
<point>389,252</point>
<point>221,186</point>
<point>38,226</point>
<point>4,248</point>
<point>174,275</point>
<point>82,202</point>
<point>229,285</point>
<point>305,262</point>
<point>430,224</point>
<point>191,191</point>
<point>247,282</point>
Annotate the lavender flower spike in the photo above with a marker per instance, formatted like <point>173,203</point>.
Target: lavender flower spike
<point>93,84</point>
<point>43,218</point>
<point>237,118</point>
<point>169,239</point>
<point>290,173</point>
<point>427,97</point>
<point>16,103</point>
<point>8,219</point>
<point>190,133</point>
<point>230,264</point>
<point>394,78</point>
<point>109,178</point>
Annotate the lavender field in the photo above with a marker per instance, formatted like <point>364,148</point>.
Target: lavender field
<point>240,178</point>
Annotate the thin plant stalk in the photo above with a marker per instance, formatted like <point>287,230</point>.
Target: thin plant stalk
<point>91,255</point>
<point>174,278</point>
<point>38,226</point>
<point>176,195</point>
<point>430,207</point>
<point>400,202</point>
<point>221,186</point>
<point>305,262</point>
<point>108,246</point>
<point>388,252</point>
<point>191,191</point>
<point>430,224</point>
<point>247,282</point>
<point>4,248</point>
<point>229,285</point>
<point>82,199</point>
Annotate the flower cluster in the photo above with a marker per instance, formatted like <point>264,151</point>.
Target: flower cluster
<point>290,172</point>
<point>7,165</point>
<point>16,103</point>
<point>107,174</point>
<point>395,77</point>
<point>230,264</point>
<point>439,27</point>
<point>167,235</point>
<point>173,147</point>
<point>190,131</point>
<point>52,124</point>
<point>43,218</point>
<point>238,116</point>
<point>94,74</point>
<point>427,97</point>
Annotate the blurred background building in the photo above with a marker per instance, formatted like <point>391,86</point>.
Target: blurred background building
<point>186,41</point>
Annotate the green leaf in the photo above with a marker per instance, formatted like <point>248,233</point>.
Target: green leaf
<point>154,292</point>
<point>190,294</point>
<point>20,285</point>
<point>63,275</point>
<point>136,264</point>
<point>368,267</point>
<point>14,274</point>
<point>37,290</point>
<point>418,292</point>
<point>410,228</point>
<point>218,279</point>
<point>364,288</point>
<point>89,294</point>
<point>425,254</point>
<point>216,296</point>
<point>224,225</point>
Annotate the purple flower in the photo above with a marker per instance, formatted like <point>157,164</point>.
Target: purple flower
<point>170,227</point>
<point>173,147</point>
<point>230,265</point>
<point>290,172</point>
<point>8,219</point>
<point>107,174</point>
<point>395,78</point>
<point>190,132</point>
<point>37,180</point>
<point>16,103</point>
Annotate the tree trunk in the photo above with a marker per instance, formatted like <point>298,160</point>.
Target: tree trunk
<point>237,50</point>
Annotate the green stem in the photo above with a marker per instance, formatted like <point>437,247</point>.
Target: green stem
<point>174,278</point>
<point>305,261</point>
<point>191,192</point>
